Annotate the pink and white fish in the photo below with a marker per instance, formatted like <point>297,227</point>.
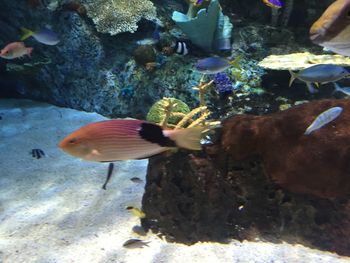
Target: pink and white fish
<point>15,50</point>
<point>113,140</point>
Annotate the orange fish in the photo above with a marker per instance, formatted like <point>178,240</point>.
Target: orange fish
<point>15,50</point>
<point>113,140</point>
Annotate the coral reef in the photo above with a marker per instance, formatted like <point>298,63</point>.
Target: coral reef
<point>316,164</point>
<point>117,16</point>
<point>209,19</point>
<point>145,54</point>
<point>167,111</point>
<point>208,198</point>
<point>298,61</point>
<point>227,192</point>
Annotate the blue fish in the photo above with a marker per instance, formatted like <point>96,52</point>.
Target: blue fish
<point>45,36</point>
<point>321,73</point>
<point>212,65</point>
<point>324,118</point>
<point>273,3</point>
<point>345,90</point>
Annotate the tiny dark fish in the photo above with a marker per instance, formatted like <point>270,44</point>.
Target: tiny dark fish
<point>135,243</point>
<point>37,153</point>
<point>109,175</point>
<point>139,230</point>
<point>136,180</point>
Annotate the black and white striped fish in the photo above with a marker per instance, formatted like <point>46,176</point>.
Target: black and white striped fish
<point>182,47</point>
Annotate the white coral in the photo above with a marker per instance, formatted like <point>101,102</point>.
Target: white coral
<point>117,16</point>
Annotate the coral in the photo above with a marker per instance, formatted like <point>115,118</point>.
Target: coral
<point>210,20</point>
<point>223,84</point>
<point>117,16</point>
<point>127,93</point>
<point>298,61</point>
<point>316,164</point>
<point>167,111</point>
<point>144,54</point>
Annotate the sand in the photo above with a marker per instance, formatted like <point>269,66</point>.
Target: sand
<point>53,209</point>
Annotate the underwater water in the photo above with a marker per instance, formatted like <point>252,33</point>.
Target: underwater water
<point>171,131</point>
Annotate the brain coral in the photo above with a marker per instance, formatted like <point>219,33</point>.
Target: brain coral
<point>116,16</point>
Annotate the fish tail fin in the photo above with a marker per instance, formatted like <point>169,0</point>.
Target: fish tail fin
<point>308,131</point>
<point>236,62</point>
<point>188,138</point>
<point>26,33</point>
<point>29,51</point>
<point>293,76</point>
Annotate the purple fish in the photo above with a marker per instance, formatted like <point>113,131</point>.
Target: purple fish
<point>273,3</point>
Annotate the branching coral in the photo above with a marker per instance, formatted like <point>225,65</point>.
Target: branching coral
<point>116,16</point>
<point>168,110</point>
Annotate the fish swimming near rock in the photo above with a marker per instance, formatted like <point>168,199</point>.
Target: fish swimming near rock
<point>15,50</point>
<point>332,29</point>
<point>323,119</point>
<point>112,140</point>
<point>338,88</point>
<point>135,243</point>
<point>45,36</point>
<point>273,3</point>
<point>321,73</point>
<point>136,212</point>
<point>213,65</point>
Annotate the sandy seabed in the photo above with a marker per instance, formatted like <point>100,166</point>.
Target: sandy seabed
<point>53,209</point>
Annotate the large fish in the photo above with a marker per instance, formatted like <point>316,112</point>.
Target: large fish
<point>332,29</point>
<point>113,140</point>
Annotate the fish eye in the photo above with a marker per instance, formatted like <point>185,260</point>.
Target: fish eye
<point>72,141</point>
<point>348,14</point>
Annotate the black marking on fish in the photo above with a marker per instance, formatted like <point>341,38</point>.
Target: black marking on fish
<point>37,153</point>
<point>154,133</point>
<point>109,175</point>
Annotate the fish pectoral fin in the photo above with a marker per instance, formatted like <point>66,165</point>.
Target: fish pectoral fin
<point>293,76</point>
<point>311,88</point>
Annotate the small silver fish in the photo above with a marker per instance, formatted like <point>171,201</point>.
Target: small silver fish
<point>321,73</point>
<point>345,90</point>
<point>135,243</point>
<point>136,180</point>
<point>324,118</point>
<point>147,41</point>
<point>139,230</point>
